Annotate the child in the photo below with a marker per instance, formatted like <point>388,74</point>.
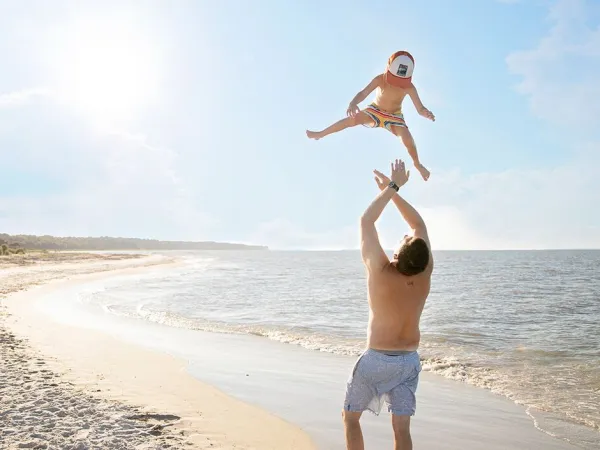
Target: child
<point>386,110</point>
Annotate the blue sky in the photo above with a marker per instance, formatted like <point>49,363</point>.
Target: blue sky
<point>185,120</point>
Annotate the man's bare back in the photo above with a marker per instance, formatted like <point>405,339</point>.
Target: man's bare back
<point>388,370</point>
<point>397,289</point>
<point>395,306</point>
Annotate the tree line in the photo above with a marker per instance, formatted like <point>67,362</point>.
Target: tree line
<point>31,242</point>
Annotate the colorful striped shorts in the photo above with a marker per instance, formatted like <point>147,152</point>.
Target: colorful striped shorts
<point>384,119</point>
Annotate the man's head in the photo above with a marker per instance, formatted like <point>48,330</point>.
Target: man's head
<point>412,257</point>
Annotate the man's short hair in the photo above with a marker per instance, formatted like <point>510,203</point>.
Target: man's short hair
<point>413,257</point>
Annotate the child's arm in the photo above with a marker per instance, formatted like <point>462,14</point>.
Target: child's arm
<point>353,107</point>
<point>414,96</point>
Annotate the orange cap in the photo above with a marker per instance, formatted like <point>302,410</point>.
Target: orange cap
<point>399,69</point>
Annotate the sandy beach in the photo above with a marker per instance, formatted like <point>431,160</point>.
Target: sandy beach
<point>102,393</point>
<point>123,383</point>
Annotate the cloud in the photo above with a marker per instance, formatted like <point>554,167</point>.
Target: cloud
<point>23,97</point>
<point>560,74</point>
<point>521,208</point>
<point>102,182</point>
<point>514,209</point>
<point>282,234</point>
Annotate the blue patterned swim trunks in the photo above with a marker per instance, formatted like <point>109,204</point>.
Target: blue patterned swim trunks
<point>380,376</point>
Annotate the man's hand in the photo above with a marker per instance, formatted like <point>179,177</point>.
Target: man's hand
<point>427,114</point>
<point>382,180</point>
<point>353,110</point>
<point>399,175</point>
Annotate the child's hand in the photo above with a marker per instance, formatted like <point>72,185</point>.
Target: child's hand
<point>427,114</point>
<point>353,110</point>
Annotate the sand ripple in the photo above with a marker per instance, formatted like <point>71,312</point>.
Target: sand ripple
<point>39,410</point>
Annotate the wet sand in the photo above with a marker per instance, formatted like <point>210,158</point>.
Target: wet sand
<point>97,392</point>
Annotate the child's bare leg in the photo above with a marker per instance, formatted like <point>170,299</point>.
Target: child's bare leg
<point>404,134</point>
<point>360,119</point>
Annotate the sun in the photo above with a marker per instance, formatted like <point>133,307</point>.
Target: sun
<point>110,70</point>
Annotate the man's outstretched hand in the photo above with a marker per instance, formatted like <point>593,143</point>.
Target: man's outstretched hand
<point>381,180</point>
<point>399,175</point>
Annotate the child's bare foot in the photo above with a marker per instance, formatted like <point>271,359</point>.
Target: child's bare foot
<point>423,171</point>
<point>314,135</point>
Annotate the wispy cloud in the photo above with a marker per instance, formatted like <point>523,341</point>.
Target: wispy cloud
<point>560,74</point>
<point>22,97</point>
<point>284,235</point>
<point>515,209</point>
<point>113,182</point>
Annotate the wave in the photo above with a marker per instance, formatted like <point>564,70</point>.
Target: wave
<point>437,356</point>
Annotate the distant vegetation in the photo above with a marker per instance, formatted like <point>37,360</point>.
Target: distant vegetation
<point>9,249</point>
<point>16,243</point>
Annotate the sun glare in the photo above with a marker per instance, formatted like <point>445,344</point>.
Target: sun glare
<point>111,70</point>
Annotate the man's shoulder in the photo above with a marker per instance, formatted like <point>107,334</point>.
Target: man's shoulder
<point>390,284</point>
<point>390,275</point>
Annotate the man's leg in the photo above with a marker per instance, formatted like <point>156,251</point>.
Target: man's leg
<point>354,436</point>
<point>404,134</point>
<point>360,119</point>
<point>401,426</point>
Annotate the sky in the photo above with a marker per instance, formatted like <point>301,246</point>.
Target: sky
<point>186,120</point>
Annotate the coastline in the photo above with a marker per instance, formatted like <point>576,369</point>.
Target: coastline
<point>299,386</point>
<point>105,368</point>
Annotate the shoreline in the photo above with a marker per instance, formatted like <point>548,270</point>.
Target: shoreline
<point>277,376</point>
<point>108,369</point>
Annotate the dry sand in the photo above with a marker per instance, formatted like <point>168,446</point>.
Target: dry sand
<point>42,410</point>
<point>98,392</point>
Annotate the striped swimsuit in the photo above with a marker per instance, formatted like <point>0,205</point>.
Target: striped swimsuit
<point>384,119</point>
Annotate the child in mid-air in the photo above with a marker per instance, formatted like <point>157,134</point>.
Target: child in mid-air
<point>386,110</point>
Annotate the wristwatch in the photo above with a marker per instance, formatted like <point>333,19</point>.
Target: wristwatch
<point>394,186</point>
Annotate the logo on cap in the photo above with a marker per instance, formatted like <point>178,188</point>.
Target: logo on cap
<point>402,70</point>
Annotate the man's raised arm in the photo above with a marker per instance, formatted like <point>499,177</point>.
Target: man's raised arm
<point>372,253</point>
<point>410,214</point>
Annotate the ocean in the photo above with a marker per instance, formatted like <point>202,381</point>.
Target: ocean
<point>523,324</point>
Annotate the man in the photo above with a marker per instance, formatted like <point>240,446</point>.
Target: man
<point>389,369</point>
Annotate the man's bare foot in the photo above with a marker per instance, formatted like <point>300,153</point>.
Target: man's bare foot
<point>314,135</point>
<point>423,171</point>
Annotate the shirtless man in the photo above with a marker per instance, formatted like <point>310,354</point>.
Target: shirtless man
<point>386,111</point>
<point>389,369</point>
